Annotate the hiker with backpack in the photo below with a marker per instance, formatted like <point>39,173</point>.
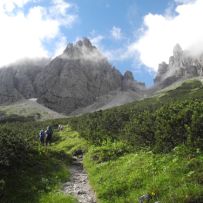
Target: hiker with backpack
<point>42,136</point>
<point>60,127</point>
<point>49,133</point>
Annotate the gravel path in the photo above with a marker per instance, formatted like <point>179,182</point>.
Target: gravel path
<point>79,185</point>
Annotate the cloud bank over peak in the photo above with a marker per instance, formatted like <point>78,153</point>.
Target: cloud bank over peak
<point>160,33</point>
<point>27,26</point>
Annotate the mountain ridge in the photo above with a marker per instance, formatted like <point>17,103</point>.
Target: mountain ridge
<point>81,79</point>
<point>72,80</point>
<point>182,65</point>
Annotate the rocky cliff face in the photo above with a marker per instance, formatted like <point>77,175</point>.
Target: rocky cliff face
<point>182,65</point>
<point>17,80</point>
<point>128,83</point>
<point>8,92</point>
<point>75,79</point>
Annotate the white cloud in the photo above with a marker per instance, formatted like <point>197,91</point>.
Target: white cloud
<point>24,34</point>
<point>10,5</point>
<point>61,45</point>
<point>112,54</point>
<point>61,6</point>
<point>97,40</point>
<point>58,11</point>
<point>183,1</point>
<point>116,33</point>
<point>161,32</point>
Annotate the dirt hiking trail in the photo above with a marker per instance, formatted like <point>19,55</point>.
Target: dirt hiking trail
<point>79,185</point>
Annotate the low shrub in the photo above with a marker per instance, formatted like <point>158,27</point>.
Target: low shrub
<point>109,151</point>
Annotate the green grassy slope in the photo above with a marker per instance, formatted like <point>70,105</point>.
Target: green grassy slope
<point>121,174</point>
<point>169,178</point>
<point>28,108</point>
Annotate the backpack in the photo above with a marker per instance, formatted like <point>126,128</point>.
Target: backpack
<point>42,134</point>
<point>49,131</point>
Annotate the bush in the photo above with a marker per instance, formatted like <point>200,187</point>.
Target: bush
<point>159,127</point>
<point>15,147</point>
<point>177,123</point>
<point>140,131</point>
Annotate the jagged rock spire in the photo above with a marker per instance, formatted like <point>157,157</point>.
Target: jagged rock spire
<point>181,66</point>
<point>84,42</point>
<point>128,75</point>
<point>177,51</point>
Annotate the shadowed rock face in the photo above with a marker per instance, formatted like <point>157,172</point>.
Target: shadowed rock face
<point>128,83</point>
<point>181,66</point>
<point>8,92</point>
<point>77,78</point>
<point>75,83</point>
<point>72,80</point>
<point>17,80</point>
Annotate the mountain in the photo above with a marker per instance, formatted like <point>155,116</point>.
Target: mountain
<point>182,65</point>
<point>82,80</point>
<point>17,80</point>
<point>78,77</point>
<point>75,79</point>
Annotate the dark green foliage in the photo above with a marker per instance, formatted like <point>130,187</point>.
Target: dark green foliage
<point>159,123</point>
<point>175,125</point>
<point>28,169</point>
<point>15,147</point>
<point>140,130</point>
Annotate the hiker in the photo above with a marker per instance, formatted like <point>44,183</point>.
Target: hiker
<point>49,133</point>
<point>60,127</point>
<point>42,136</point>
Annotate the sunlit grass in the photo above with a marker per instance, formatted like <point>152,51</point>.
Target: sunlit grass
<point>168,178</point>
<point>57,197</point>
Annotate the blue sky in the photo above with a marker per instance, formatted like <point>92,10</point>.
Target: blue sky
<point>134,35</point>
<point>100,16</point>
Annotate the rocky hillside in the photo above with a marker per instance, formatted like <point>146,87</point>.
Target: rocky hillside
<point>75,79</point>
<point>78,77</point>
<point>182,65</point>
<point>17,80</point>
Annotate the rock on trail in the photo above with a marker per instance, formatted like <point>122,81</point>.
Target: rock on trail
<point>79,185</point>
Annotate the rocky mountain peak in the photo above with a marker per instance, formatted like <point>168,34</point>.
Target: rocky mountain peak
<point>129,83</point>
<point>73,80</point>
<point>181,66</point>
<point>177,51</point>
<point>69,50</point>
<point>80,44</point>
<point>128,75</point>
<point>82,49</point>
<point>163,68</point>
<point>85,42</point>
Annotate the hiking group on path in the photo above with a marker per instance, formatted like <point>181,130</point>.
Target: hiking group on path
<point>45,137</point>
